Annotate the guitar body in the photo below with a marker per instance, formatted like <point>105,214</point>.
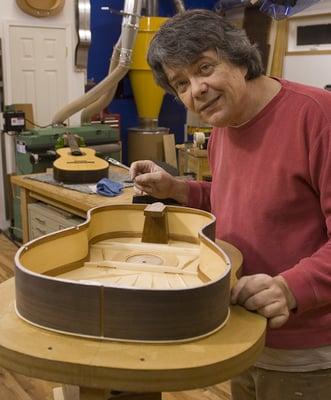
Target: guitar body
<point>107,279</point>
<point>79,165</point>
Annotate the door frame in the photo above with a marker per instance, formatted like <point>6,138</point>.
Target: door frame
<point>75,78</point>
<point>7,24</point>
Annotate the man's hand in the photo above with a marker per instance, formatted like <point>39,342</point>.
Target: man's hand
<point>270,297</point>
<point>155,181</point>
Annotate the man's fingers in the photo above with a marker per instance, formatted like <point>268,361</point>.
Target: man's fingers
<point>143,188</point>
<point>258,300</point>
<point>273,309</point>
<point>237,289</point>
<point>263,294</point>
<point>141,167</point>
<point>148,179</point>
<point>277,321</point>
<point>248,286</point>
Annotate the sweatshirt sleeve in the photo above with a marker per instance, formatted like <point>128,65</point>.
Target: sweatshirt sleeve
<point>199,195</point>
<point>310,279</point>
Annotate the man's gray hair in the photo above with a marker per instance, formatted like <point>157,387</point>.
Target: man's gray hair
<point>181,41</point>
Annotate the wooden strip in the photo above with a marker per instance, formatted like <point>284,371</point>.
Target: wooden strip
<point>128,280</point>
<point>191,281</point>
<point>160,281</point>
<point>138,267</point>
<point>193,266</point>
<point>107,253</point>
<point>194,250</point>
<point>189,264</point>
<point>95,273</point>
<point>144,280</point>
<point>104,280</point>
<point>96,254</point>
<point>176,282</point>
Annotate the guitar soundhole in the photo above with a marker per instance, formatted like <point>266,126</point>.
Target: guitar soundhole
<point>145,259</point>
<point>77,153</point>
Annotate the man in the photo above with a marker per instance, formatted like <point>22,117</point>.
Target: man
<point>270,157</point>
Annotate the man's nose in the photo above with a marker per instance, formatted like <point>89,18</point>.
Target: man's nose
<point>198,87</point>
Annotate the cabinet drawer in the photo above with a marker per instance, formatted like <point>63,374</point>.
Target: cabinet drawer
<point>36,229</point>
<point>45,219</point>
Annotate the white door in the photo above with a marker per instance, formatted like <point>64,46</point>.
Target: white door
<point>38,69</point>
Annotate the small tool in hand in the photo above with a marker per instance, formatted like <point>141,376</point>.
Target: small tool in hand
<point>117,163</point>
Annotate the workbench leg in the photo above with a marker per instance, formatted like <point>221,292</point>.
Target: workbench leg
<point>24,195</point>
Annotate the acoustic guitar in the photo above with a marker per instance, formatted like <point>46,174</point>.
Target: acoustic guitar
<point>131,273</point>
<point>78,164</point>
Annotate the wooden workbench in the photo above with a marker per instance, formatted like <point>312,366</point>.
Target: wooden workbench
<point>96,365</point>
<point>69,200</point>
<point>193,160</point>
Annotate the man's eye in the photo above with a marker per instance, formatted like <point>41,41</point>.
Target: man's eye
<point>181,86</point>
<point>206,68</point>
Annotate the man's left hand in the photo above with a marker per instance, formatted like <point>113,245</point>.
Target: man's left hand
<point>269,296</point>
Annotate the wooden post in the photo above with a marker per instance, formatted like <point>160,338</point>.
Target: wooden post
<point>25,214</point>
<point>156,224</point>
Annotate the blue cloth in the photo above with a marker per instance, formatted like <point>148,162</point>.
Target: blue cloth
<point>109,188</point>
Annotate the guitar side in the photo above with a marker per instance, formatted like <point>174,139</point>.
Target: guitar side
<point>84,168</point>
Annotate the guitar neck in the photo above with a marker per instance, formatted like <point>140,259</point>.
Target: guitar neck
<point>72,143</point>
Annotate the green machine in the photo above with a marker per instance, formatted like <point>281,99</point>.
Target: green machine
<point>35,152</point>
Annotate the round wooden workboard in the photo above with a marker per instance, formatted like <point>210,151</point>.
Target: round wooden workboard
<point>128,366</point>
<point>139,367</point>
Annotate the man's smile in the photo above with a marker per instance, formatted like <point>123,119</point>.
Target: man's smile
<point>209,104</point>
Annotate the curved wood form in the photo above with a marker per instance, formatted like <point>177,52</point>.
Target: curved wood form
<point>106,279</point>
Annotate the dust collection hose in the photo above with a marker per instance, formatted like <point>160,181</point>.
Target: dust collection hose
<point>130,24</point>
<point>102,94</point>
<point>151,7</point>
<point>107,97</point>
<point>179,5</point>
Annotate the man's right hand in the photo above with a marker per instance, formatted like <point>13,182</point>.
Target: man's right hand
<point>155,181</point>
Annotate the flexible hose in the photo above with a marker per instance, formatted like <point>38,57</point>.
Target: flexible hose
<point>130,24</point>
<point>179,5</point>
<point>107,97</point>
<point>91,96</point>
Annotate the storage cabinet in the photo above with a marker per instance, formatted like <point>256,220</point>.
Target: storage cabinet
<point>44,219</point>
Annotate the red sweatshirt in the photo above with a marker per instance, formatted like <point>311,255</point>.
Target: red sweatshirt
<point>271,195</point>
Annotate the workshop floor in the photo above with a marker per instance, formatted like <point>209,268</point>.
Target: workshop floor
<point>17,387</point>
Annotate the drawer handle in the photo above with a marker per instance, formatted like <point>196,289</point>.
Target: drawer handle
<point>41,231</point>
<point>41,221</point>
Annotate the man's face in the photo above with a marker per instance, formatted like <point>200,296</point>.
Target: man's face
<point>214,89</point>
